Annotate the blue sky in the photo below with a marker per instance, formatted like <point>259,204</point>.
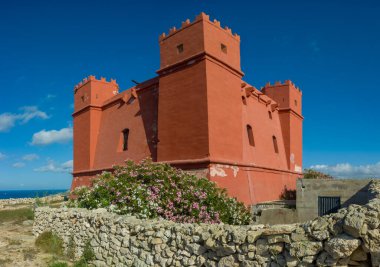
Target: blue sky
<point>330,49</point>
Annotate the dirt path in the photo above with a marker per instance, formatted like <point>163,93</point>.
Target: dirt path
<point>17,246</point>
<point>17,242</point>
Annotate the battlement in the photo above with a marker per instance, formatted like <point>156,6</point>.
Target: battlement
<point>201,17</point>
<point>93,78</point>
<point>278,83</point>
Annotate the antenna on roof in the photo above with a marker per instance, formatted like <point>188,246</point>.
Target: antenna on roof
<point>135,82</point>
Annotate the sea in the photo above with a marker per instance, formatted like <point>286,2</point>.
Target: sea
<point>5,194</point>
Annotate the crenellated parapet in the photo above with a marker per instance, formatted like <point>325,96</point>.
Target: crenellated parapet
<point>93,78</point>
<point>201,17</point>
<point>279,83</point>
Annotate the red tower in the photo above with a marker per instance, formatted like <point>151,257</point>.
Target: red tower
<point>197,114</point>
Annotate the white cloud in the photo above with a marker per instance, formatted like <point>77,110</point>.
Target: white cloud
<point>9,120</point>
<point>346,170</point>
<point>2,156</point>
<point>30,157</point>
<point>50,96</point>
<point>52,166</point>
<point>54,136</point>
<point>18,165</point>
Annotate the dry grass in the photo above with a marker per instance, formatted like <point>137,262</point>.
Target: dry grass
<point>50,243</point>
<point>17,215</point>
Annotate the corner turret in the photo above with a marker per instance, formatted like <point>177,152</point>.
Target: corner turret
<point>289,100</point>
<point>93,92</point>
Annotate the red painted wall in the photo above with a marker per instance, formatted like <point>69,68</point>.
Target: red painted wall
<point>194,115</point>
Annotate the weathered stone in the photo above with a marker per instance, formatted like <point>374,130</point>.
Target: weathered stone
<point>342,246</point>
<point>278,238</point>
<point>279,229</point>
<point>252,236</point>
<point>324,259</point>
<point>227,262</point>
<point>196,249</point>
<point>353,223</point>
<point>305,248</point>
<point>156,241</point>
<point>320,235</point>
<point>359,255</point>
<point>276,248</point>
<point>262,247</point>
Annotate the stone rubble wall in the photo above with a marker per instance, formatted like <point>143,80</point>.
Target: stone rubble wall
<point>350,237</point>
<point>27,201</point>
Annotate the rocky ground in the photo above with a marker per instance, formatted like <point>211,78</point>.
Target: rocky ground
<point>17,243</point>
<point>17,246</point>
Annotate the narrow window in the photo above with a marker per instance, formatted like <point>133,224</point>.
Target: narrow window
<point>223,47</point>
<point>270,114</point>
<point>244,100</point>
<point>275,144</point>
<point>250,135</point>
<point>125,139</point>
<point>295,102</point>
<point>180,48</point>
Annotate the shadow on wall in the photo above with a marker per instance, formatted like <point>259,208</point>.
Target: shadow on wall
<point>361,197</point>
<point>288,194</point>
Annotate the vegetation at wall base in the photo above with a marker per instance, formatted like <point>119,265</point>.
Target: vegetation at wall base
<point>50,243</point>
<point>151,190</point>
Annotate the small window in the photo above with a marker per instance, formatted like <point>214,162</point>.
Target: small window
<point>275,145</point>
<point>82,97</point>
<point>223,47</point>
<point>270,114</point>
<point>180,48</point>
<point>244,100</point>
<point>295,102</point>
<point>125,139</point>
<point>250,135</point>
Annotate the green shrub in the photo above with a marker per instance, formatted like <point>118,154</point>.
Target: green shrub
<point>150,190</point>
<point>50,243</point>
<point>313,174</point>
<point>88,253</point>
<point>58,264</point>
<point>81,263</point>
<point>70,252</point>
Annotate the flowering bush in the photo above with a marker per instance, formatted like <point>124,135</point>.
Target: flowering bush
<point>150,190</point>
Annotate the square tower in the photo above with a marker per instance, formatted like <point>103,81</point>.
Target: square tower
<point>199,95</point>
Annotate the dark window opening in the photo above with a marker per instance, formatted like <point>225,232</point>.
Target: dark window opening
<point>244,100</point>
<point>250,135</point>
<point>270,114</point>
<point>275,145</point>
<point>223,47</point>
<point>131,100</point>
<point>295,102</point>
<point>327,205</point>
<point>82,97</point>
<point>180,48</point>
<point>125,139</point>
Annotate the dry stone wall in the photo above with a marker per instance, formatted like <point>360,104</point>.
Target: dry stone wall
<point>350,237</point>
<point>26,201</point>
